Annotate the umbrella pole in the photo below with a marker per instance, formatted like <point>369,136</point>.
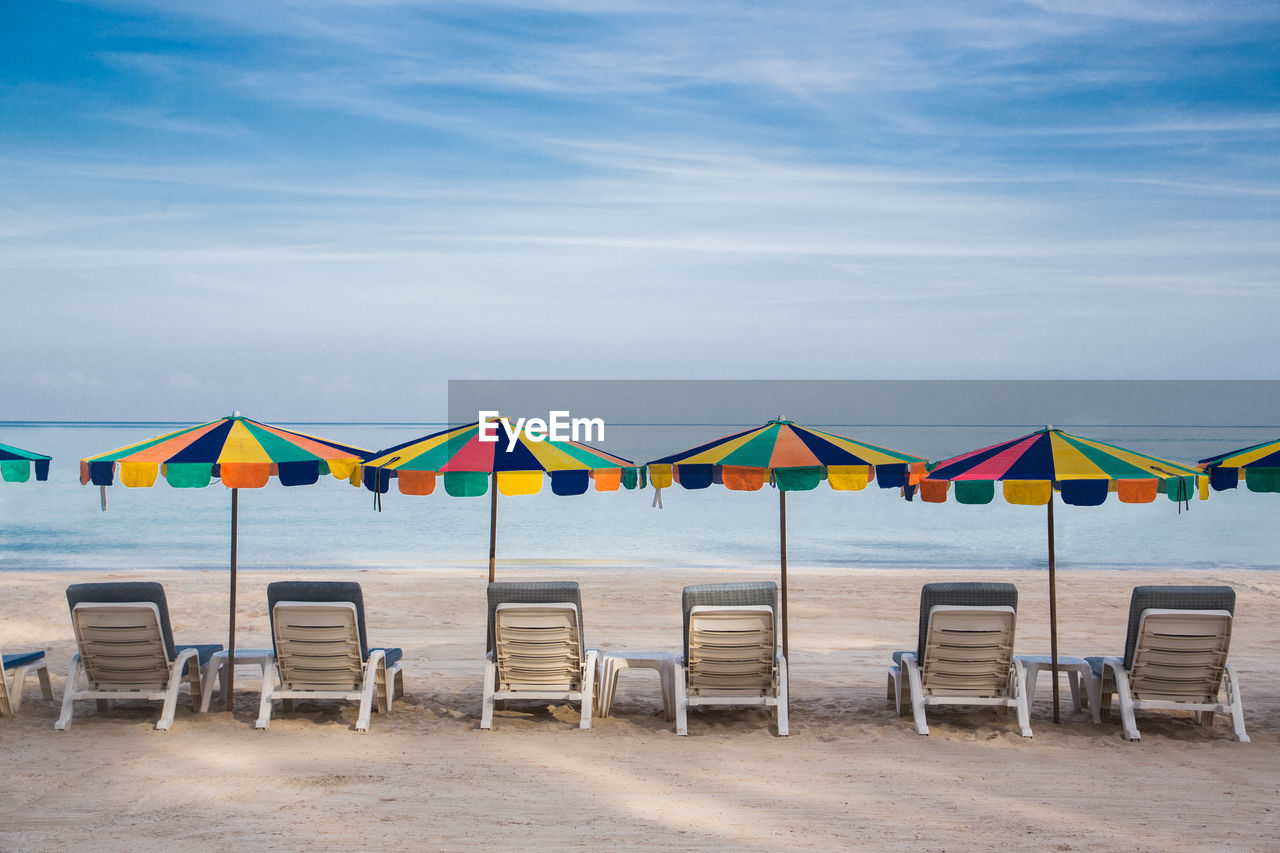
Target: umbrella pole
<point>782,531</point>
<point>1053,616</point>
<point>493,523</point>
<point>231,629</point>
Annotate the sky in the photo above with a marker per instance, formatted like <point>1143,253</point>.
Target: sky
<point>323,210</point>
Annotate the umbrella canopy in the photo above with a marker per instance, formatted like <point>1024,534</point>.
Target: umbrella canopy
<point>1081,470</point>
<point>1260,464</point>
<point>15,464</point>
<point>242,453</point>
<point>790,457</point>
<point>467,463</point>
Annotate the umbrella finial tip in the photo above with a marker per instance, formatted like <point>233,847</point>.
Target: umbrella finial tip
<point>236,413</point>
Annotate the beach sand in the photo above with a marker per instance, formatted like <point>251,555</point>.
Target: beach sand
<point>852,774</point>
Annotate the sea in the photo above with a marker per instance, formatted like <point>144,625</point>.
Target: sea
<point>60,525</point>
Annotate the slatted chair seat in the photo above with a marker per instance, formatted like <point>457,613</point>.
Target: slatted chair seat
<point>731,654</point>
<point>536,649</point>
<point>321,651</point>
<point>125,650</point>
<point>964,653</point>
<point>1175,657</point>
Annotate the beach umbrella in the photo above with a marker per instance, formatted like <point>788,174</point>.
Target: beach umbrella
<point>789,457</point>
<point>471,466</point>
<point>1082,471</point>
<point>242,453</point>
<point>1260,464</point>
<point>15,464</point>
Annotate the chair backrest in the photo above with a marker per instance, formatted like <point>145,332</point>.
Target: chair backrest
<point>126,592</point>
<point>320,592</point>
<point>731,650</point>
<point>538,647</point>
<point>121,644</point>
<point>531,592</point>
<point>745,594</point>
<point>1172,598</point>
<point>1181,655</point>
<point>963,593</point>
<point>969,650</point>
<point>317,644</point>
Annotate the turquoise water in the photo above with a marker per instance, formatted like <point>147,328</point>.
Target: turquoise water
<point>58,524</point>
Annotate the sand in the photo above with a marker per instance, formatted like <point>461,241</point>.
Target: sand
<point>852,773</point>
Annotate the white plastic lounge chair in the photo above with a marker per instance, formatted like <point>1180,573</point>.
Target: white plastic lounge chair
<point>536,648</point>
<point>731,654</point>
<point>1175,657</point>
<point>126,650</point>
<point>16,668</point>
<point>964,654</point>
<point>321,650</point>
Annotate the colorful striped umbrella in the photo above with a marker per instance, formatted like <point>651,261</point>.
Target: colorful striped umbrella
<point>1260,464</point>
<point>789,457</point>
<point>467,464</point>
<point>1081,470</point>
<point>242,453</point>
<point>15,464</point>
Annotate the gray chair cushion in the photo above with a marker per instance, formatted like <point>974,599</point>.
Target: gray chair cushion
<point>1173,598</point>
<point>533,592</point>
<point>126,592</point>
<point>744,594</point>
<point>318,592</point>
<point>963,593</point>
<point>204,651</point>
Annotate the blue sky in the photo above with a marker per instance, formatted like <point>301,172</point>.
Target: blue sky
<point>324,210</point>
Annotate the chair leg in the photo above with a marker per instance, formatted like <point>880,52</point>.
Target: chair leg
<point>15,691</point>
<point>668,690</point>
<point>783,713</point>
<point>1093,690</point>
<point>46,689</point>
<point>176,676</point>
<point>490,685</point>
<point>917,694</point>
<point>1232,684</point>
<point>69,694</point>
<point>374,669</point>
<point>682,701</point>
<point>1073,680</point>
<point>588,687</point>
<point>195,679</point>
<point>381,692</point>
<point>212,675</point>
<point>1128,722</point>
<point>264,699</point>
<point>1021,698</point>
<point>1030,681</point>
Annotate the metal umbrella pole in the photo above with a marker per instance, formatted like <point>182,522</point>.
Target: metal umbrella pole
<point>231,629</point>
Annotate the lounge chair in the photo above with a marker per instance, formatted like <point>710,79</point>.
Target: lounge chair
<point>964,654</point>
<point>536,649</point>
<point>14,676</point>
<point>126,650</point>
<point>322,650</point>
<point>731,654</point>
<point>1175,657</point>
